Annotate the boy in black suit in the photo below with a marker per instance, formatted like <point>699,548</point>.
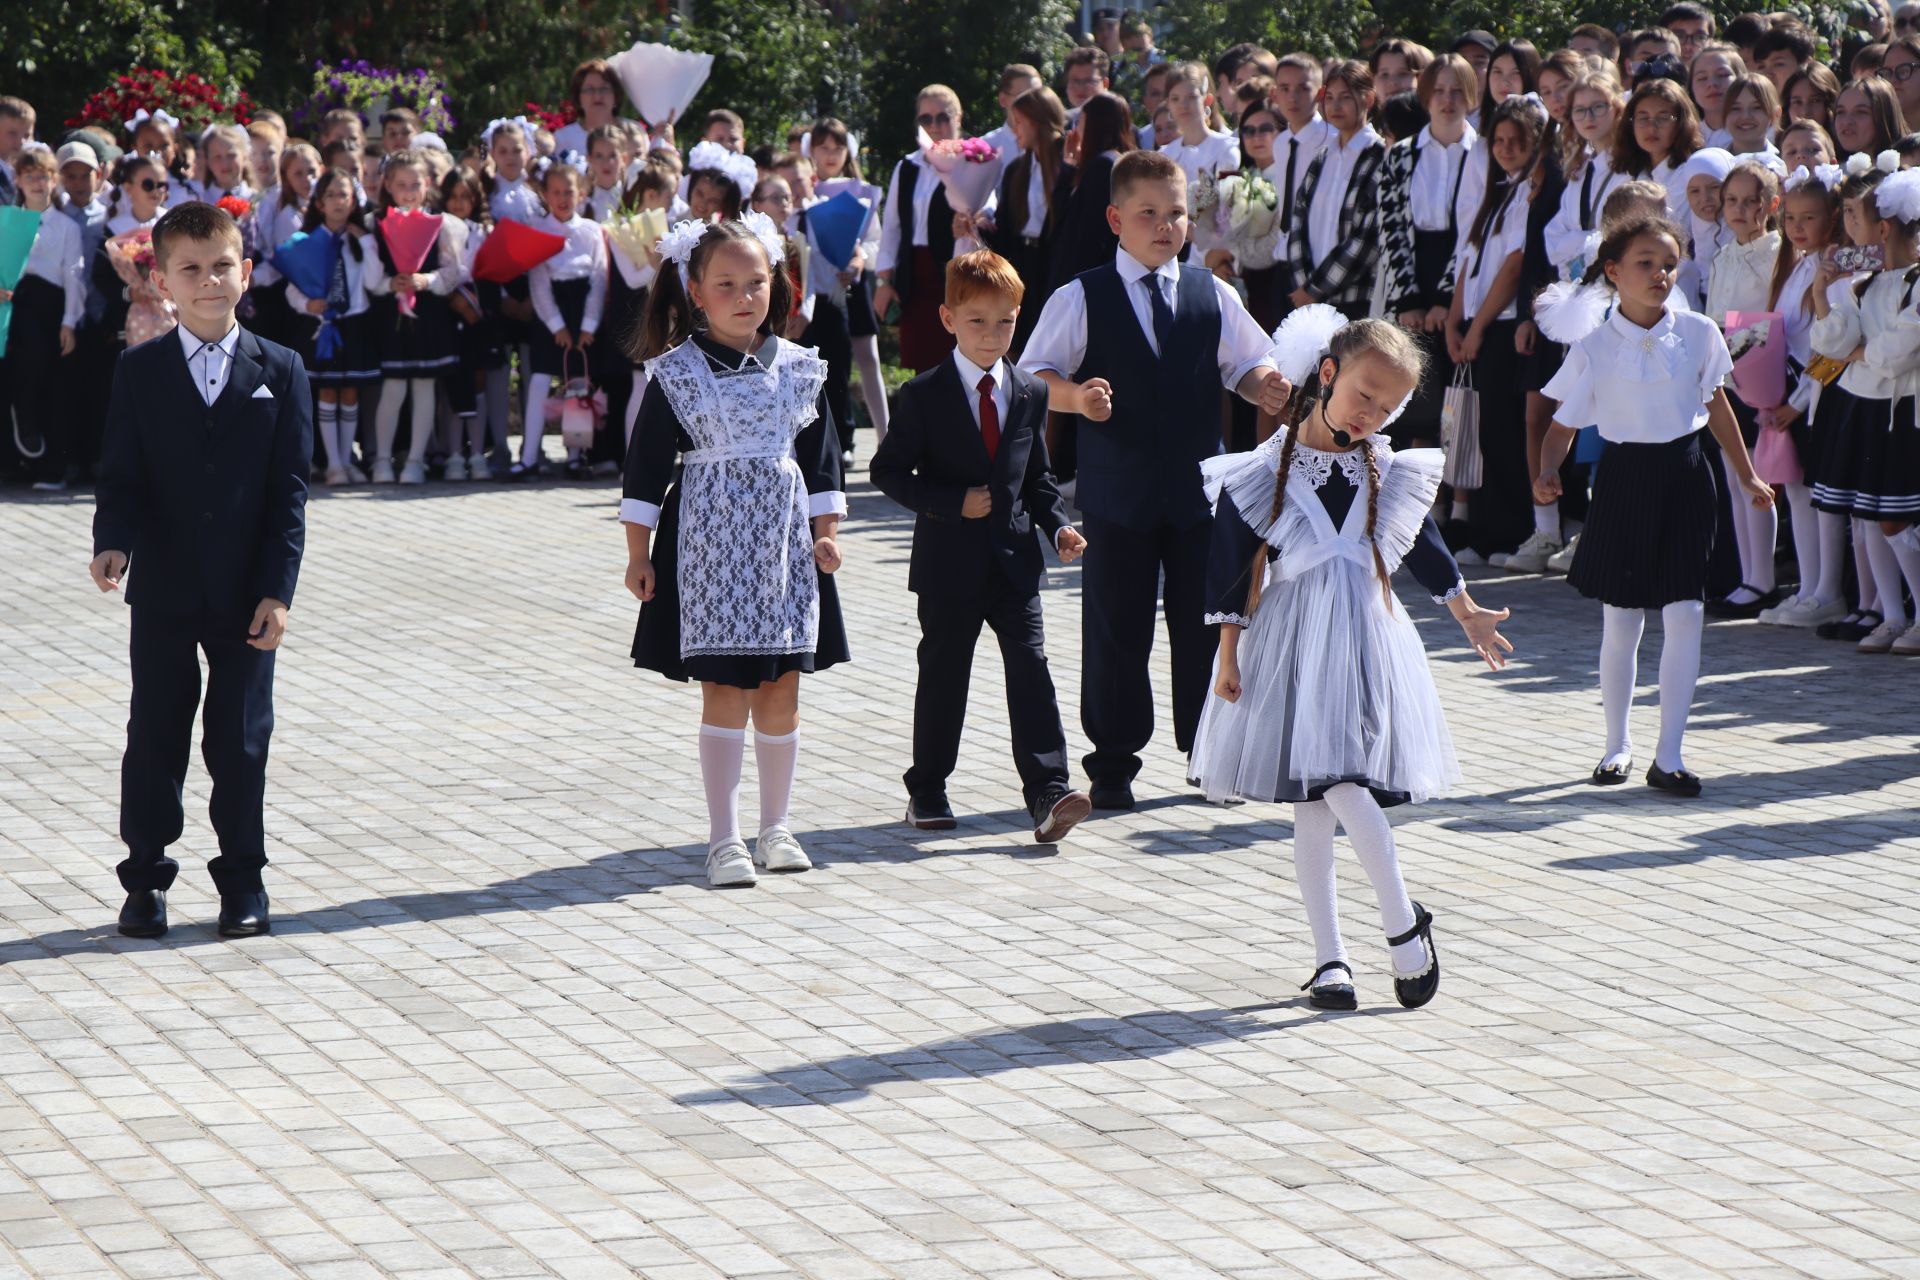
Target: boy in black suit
<point>203,491</point>
<point>966,451</point>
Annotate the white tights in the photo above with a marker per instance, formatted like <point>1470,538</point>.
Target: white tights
<point>1756,530</point>
<point>1885,567</point>
<point>866,358</point>
<point>1683,622</point>
<point>1355,809</point>
<point>386,421</point>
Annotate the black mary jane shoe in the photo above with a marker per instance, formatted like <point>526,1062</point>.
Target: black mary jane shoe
<point>1331,995</point>
<point>1681,782</point>
<point>1612,775</point>
<point>1851,628</point>
<point>1414,990</point>
<point>1725,608</point>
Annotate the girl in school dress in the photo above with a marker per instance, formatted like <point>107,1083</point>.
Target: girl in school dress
<point>141,188</point>
<point>350,362</point>
<point>1321,695</point>
<point>735,589</point>
<point>570,296</point>
<point>831,148</point>
<point>48,301</point>
<point>1649,377</point>
<point>476,323</point>
<point>1334,240</point>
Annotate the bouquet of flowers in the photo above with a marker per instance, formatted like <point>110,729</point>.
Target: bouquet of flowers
<point>409,234</point>
<point>554,119</point>
<point>969,168</point>
<point>193,101</point>
<point>360,86</point>
<point>636,234</point>
<point>148,314</point>
<point>1243,213</point>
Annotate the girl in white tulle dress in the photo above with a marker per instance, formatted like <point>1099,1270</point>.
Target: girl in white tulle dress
<point>1322,695</point>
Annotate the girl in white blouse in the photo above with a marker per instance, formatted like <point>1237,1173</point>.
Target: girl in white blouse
<point>1649,377</point>
<point>569,293</point>
<point>48,301</point>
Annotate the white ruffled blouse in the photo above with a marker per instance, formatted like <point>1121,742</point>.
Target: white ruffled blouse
<point>1642,386</point>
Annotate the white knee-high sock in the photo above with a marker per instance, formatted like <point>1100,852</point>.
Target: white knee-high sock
<point>1313,825</point>
<point>1681,622</point>
<point>1886,573</point>
<point>866,358</point>
<point>721,751</point>
<point>1863,567</point>
<point>1547,520</point>
<point>1833,555</point>
<point>1620,634</point>
<point>329,425</point>
<point>538,388</point>
<point>386,418</point>
<point>633,401</point>
<point>349,428</point>
<point>1806,539</point>
<point>423,403</point>
<point>777,757</point>
<point>499,404</point>
<point>1371,836</point>
<point>1908,557</point>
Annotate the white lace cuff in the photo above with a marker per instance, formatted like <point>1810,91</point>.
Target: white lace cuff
<point>634,511</point>
<point>831,502</point>
<point>1231,619</point>
<point>1459,587</point>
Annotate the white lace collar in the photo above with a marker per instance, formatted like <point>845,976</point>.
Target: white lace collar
<point>1315,466</point>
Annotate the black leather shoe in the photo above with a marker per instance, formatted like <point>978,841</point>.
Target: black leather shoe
<point>1854,626</point>
<point>1331,995</point>
<point>930,813</point>
<point>244,915</point>
<point>1414,990</point>
<point>1725,608</point>
<point>145,914</point>
<point>1111,795</point>
<point>1059,812</point>
<point>1681,782</point>
<point>1612,775</point>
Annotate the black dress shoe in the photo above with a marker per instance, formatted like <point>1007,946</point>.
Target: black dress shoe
<point>1414,990</point>
<point>930,813</point>
<point>1681,782</point>
<point>145,914</point>
<point>1853,627</point>
<point>1059,812</point>
<point>1331,995</point>
<point>1612,775</point>
<point>243,915</point>
<point>1111,795</point>
<point>1751,609</point>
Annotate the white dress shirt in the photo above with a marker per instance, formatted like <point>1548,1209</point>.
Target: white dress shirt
<point>970,375</point>
<point>1742,276</point>
<point>1890,366</point>
<point>1642,386</point>
<point>273,225</point>
<point>924,185</point>
<point>57,258</point>
<point>210,363</point>
<point>1330,193</point>
<point>1003,141</point>
<point>583,257</point>
<point>516,202</point>
<point>1302,145</point>
<point>1438,173</point>
<point>1059,340</point>
<point>355,265</point>
<point>605,203</point>
<point>1566,234</point>
<point>1037,198</point>
<point>1477,269</point>
<point>1215,153</point>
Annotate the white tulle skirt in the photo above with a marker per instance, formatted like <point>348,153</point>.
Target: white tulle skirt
<point>1334,688</point>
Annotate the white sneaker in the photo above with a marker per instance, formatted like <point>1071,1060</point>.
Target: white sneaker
<point>1813,614</point>
<point>1562,560</point>
<point>383,470</point>
<point>1469,557</point>
<point>336,475</point>
<point>414,473</point>
<point>777,850</point>
<point>49,486</point>
<point>456,468</point>
<point>1499,559</point>
<point>729,866</point>
<point>1881,638</point>
<point>1908,645</point>
<point>1533,554</point>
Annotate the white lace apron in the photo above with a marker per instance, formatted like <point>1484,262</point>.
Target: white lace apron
<point>746,572</point>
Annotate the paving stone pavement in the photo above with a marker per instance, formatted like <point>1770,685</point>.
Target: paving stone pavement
<point>504,1029</point>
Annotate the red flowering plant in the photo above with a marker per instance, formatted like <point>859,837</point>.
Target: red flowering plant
<point>552,120</point>
<point>189,98</point>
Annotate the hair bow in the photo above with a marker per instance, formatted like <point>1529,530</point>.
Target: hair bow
<point>572,159</point>
<point>767,234</point>
<point>736,168</point>
<point>1828,176</point>
<point>143,115</point>
<point>1899,197</point>
<point>524,125</point>
<point>678,244</point>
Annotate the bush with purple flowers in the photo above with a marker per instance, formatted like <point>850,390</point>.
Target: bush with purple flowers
<point>370,90</point>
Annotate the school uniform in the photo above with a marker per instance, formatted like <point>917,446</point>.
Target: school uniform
<point>916,243</point>
<point>95,351</point>
<point>956,427</point>
<point>1083,241</point>
<point>1420,181</point>
<point>1567,236</point>
<point>1334,241</point>
<point>1166,340</point>
<point>1866,443</point>
<point>203,485</point>
<point>1294,151</point>
<point>516,201</point>
<point>1537,270</point>
<point>352,359</point>
<point>1023,233</point>
<point>273,223</point>
<point>1650,527</point>
<point>421,345</point>
<point>569,290</point>
<point>1216,152</point>
<point>50,295</point>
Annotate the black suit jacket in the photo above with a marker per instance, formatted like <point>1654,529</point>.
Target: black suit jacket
<point>208,501</point>
<point>933,454</point>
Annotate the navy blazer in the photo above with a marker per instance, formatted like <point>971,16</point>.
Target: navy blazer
<point>933,454</point>
<point>207,501</point>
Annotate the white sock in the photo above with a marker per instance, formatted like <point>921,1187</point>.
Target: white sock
<point>1886,574</point>
<point>1743,537</point>
<point>1313,825</point>
<point>1833,556</point>
<point>1908,557</point>
<point>329,425</point>
<point>1681,622</point>
<point>1619,668</point>
<point>721,751</point>
<point>778,758</point>
<point>1371,836</point>
<point>1806,539</point>
<point>1863,567</point>
<point>537,389</point>
<point>1459,511</point>
<point>1547,520</point>
<point>386,418</point>
<point>1763,536</point>
<point>349,428</point>
<point>873,389</point>
<point>423,423</point>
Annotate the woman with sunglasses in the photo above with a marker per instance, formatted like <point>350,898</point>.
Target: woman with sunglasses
<point>140,189</point>
<point>916,239</point>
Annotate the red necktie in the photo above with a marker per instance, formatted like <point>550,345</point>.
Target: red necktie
<point>989,418</point>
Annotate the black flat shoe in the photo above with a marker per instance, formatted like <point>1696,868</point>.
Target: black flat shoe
<point>1681,782</point>
<point>1059,813</point>
<point>1612,775</point>
<point>145,914</point>
<point>1111,795</point>
<point>1331,995</point>
<point>244,915</point>
<point>931,813</point>
<point>1851,628</point>
<point>1751,609</point>
<point>1414,990</point>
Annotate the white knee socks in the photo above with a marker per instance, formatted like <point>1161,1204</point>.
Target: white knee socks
<point>1863,568</point>
<point>538,388</point>
<point>866,358</point>
<point>386,420</point>
<point>328,424</point>
<point>1833,552</point>
<point>778,757</point>
<point>1313,825</point>
<point>1886,573</point>
<point>1546,520</point>
<point>1619,667</point>
<point>1682,621</point>
<point>720,754</point>
<point>1908,556</point>
<point>1372,839</point>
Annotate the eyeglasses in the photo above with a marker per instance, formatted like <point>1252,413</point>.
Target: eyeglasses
<point>1258,130</point>
<point>1592,111</point>
<point>1900,74</point>
<point>926,121</point>
<point>150,186</point>
<point>596,91</point>
<point>1660,121</point>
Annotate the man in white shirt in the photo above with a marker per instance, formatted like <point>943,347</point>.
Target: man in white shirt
<point>1296,86</point>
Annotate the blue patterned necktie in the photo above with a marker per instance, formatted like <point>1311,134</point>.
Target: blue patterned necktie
<point>1162,313</point>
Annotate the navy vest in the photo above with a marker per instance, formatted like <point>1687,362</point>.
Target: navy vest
<point>1141,467</point>
<point>939,228</point>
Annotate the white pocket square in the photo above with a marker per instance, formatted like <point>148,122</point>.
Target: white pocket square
<point>261,393</point>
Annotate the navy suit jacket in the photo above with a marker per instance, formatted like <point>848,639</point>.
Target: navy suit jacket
<point>933,454</point>
<point>208,501</point>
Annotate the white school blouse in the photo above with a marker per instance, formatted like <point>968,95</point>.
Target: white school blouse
<point>448,276</point>
<point>605,203</point>
<point>583,257</point>
<point>1742,276</point>
<point>1890,366</point>
<point>1476,269</point>
<point>1437,175</point>
<point>1642,386</point>
<point>1215,153</point>
<point>924,185</point>
<point>1312,138</point>
<point>1330,192</point>
<point>58,258</point>
<point>273,225</point>
<point>1567,232</point>
<point>516,202</point>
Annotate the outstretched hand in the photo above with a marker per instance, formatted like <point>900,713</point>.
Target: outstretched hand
<point>1483,633</point>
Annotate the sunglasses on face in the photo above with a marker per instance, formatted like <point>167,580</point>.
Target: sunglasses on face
<point>926,121</point>
<point>1660,121</point>
<point>1258,130</point>
<point>150,185</point>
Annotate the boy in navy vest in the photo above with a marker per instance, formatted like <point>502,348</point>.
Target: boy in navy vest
<point>967,452</point>
<point>202,496</point>
<point>1139,349</point>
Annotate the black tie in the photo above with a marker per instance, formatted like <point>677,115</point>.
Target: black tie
<point>1162,313</point>
<point>1586,196</point>
<point>1286,204</point>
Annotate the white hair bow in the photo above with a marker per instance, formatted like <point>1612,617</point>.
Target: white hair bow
<point>767,234</point>
<point>738,169</point>
<point>524,125</point>
<point>143,115</point>
<point>1899,197</point>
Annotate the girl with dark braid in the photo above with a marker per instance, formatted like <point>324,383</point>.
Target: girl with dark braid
<point>1321,692</point>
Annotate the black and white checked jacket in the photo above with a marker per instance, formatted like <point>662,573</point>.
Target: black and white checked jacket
<point>1342,274</point>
